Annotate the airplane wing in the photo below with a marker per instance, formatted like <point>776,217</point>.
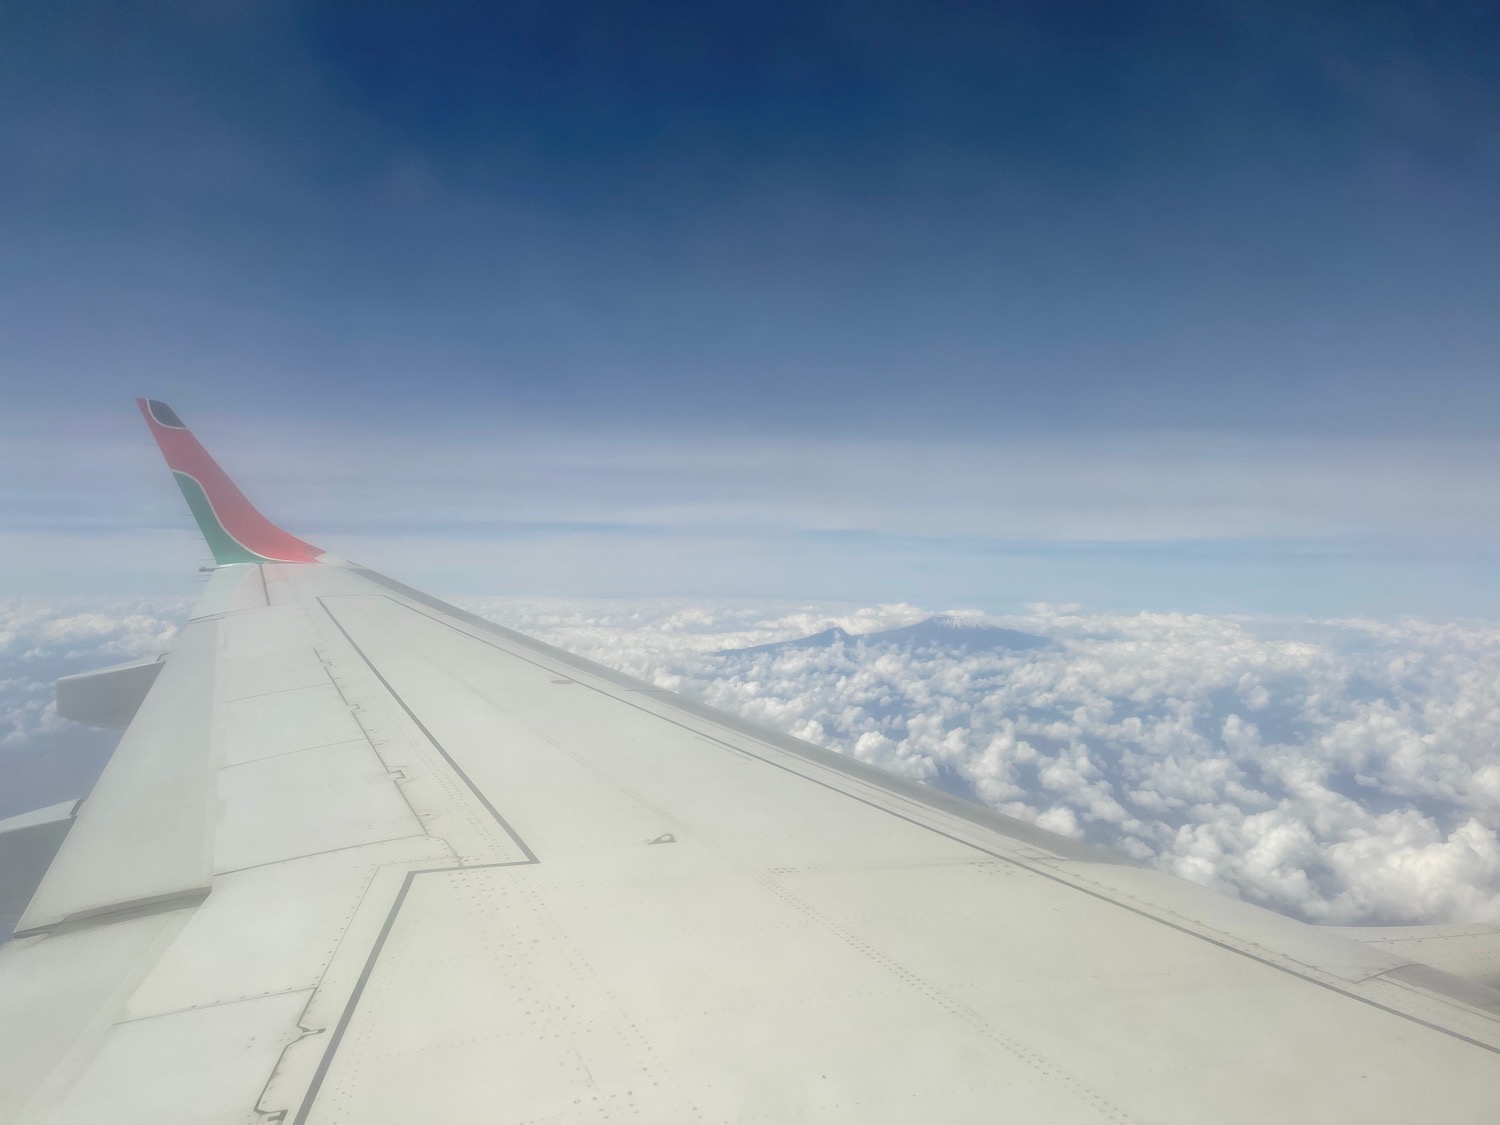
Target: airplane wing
<point>362,857</point>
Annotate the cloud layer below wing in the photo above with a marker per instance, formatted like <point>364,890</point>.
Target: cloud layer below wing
<point>1341,771</point>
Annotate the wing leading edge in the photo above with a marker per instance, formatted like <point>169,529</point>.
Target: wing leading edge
<point>413,866</point>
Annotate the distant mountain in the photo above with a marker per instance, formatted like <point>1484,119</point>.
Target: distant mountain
<point>945,632</point>
<point>972,633</point>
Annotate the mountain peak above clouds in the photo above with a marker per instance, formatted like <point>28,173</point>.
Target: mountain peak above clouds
<point>945,631</point>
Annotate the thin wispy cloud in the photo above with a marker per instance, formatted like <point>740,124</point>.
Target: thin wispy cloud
<point>1258,524</point>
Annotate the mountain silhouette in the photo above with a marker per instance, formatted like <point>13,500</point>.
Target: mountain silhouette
<point>942,632</point>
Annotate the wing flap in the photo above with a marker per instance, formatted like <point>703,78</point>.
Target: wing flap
<point>144,835</point>
<point>107,697</point>
<point>58,995</point>
<point>1470,951</point>
<point>28,844</point>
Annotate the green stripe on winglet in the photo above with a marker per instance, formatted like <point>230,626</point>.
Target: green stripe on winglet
<point>225,548</point>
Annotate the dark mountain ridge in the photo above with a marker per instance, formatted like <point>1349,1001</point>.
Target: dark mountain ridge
<point>944,631</point>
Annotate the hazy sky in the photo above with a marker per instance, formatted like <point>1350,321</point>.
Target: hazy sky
<point>1180,305</point>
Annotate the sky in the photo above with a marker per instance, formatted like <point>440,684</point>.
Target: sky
<point>1166,306</point>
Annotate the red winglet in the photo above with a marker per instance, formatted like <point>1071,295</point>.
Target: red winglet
<point>235,531</point>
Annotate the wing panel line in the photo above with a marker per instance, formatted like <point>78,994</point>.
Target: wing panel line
<point>347,1017</point>
<point>427,734</point>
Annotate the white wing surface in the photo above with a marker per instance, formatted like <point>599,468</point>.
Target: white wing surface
<point>363,857</point>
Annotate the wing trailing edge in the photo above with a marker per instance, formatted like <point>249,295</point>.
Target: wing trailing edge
<point>235,531</point>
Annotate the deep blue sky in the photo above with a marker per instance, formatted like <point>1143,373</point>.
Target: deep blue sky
<point>800,222</point>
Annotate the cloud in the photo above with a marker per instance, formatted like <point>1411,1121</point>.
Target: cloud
<point>1340,771</point>
<point>44,759</point>
<point>1211,520</point>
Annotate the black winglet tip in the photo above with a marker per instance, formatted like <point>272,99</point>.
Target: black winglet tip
<point>160,412</point>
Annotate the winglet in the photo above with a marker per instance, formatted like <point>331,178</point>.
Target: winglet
<point>235,531</point>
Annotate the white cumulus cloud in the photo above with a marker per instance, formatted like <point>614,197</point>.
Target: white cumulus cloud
<point>1341,771</point>
<point>42,758</point>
